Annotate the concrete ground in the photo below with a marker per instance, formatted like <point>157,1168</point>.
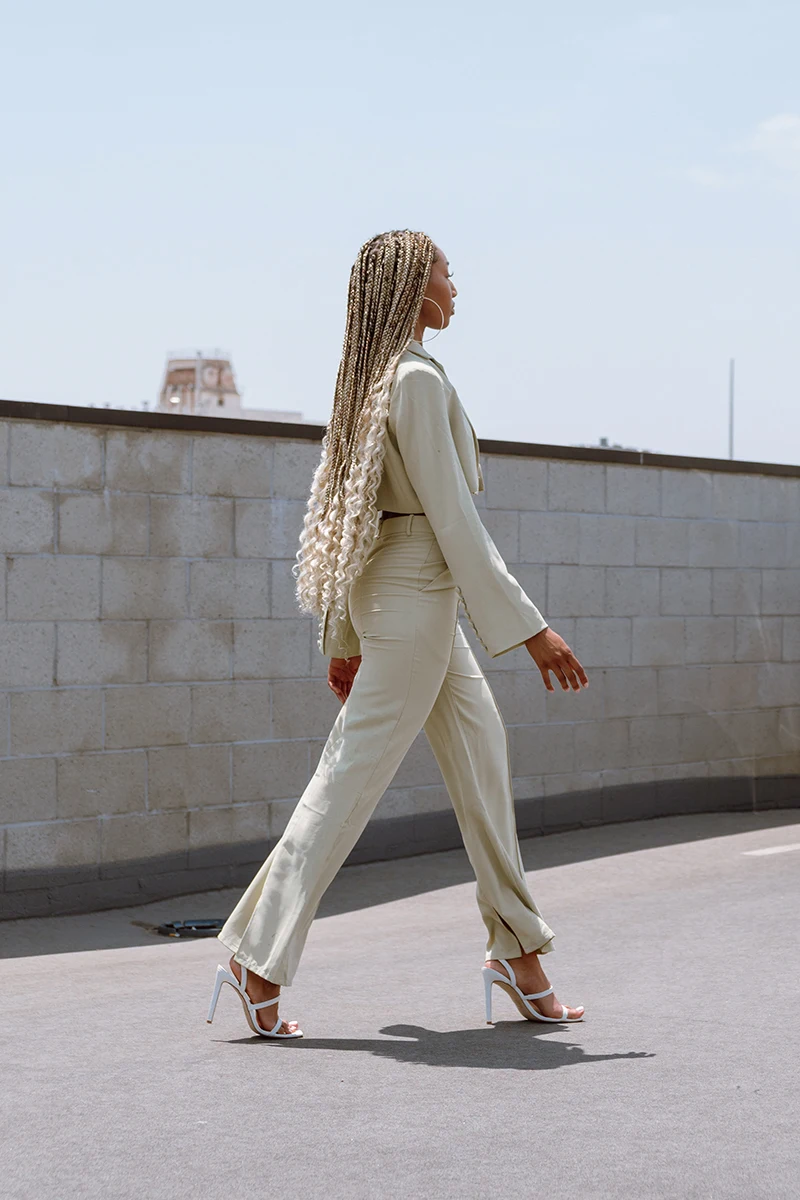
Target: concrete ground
<point>681,1082</point>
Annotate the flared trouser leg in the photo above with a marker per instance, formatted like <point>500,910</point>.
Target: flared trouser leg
<point>406,636</point>
<point>468,737</point>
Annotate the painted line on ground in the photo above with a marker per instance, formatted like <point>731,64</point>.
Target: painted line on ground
<point>775,849</point>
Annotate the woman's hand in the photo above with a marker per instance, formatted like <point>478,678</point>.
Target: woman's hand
<point>551,653</point>
<point>341,673</point>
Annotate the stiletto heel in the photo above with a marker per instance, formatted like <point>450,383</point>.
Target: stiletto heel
<point>239,986</point>
<point>487,988</point>
<point>509,985</point>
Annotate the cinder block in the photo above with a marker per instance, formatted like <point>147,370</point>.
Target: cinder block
<point>762,545</point>
<point>758,639</point>
<point>658,641</point>
<point>269,649</point>
<point>143,835</point>
<point>294,464</point>
<point>714,544</point>
<point>270,770</point>
<point>91,785</point>
<point>147,460</point>
<point>190,650</point>
<point>26,521</point>
<point>565,705</point>
<point>704,738</point>
<point>630,693</point>
<point>780,498</point>
<point>283,598</point>
<point>600,745</point>
<point>303,708</point>
<point>516,483</point>
<point>251,822</point>
<point>662,543</point>
<point>102,652</point>
<point>576,487</point>
<point>52,844</point>
<point>44,454</point>
<point>566,785</point>
<point>407,802</point>
<point>138,588</point>
<point>229,589</point>
<point>781,593</point>
<point>56,722</point>
<point>788,731</point>
<point>549,537</point>
<point>53,588</point>
<point>575,591</point>
<point>269,528</point>
<point>225,465</point>
<point>231,712</point>
<point>188,776</point>
<point>791,639</point>
<point>654,741</point>
<point>684,690</point>
<point>733,686</point>
<point>751,733</point>
<point>632,592</point>
<point>520,696</point>
<point>736,497</point>
<point>735,593</point>
<point>146,715</point>
<point>210,827</point>
<point>542,749</point>
<point>102,523</point>
<point>633,490</point>
<point>685,591</point>
<point>710,639</point>
<point>686,493</point>
<point>778,685</point>
<point>607,541</point>
<point>27,790</point>
<point>191,526</point>
<point>503,529</point>
<point>603,641</point>
<point>4,432</point>
<point>27,653</point>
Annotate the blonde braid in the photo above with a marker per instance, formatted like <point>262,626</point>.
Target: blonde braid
<point>387,287</point>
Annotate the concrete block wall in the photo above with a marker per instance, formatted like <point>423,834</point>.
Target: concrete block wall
<point>164,703</point>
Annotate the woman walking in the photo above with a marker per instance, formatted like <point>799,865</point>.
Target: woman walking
<point>391,542</point>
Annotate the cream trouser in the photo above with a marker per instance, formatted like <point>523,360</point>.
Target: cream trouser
<point>417,671</point>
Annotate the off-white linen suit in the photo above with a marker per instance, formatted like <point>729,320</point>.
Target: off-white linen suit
<point>417,671</point>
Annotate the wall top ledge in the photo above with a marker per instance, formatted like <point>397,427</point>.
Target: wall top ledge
<point>24,410</point>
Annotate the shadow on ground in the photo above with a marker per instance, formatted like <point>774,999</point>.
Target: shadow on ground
<point>370,884</point>
<point>507,1046</point>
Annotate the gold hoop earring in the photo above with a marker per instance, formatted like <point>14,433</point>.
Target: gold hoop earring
<point>438,331</point>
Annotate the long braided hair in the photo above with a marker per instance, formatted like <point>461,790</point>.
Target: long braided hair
<point>387,288</point>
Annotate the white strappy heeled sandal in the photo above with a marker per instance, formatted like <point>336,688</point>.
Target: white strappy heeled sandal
<point>509,985</point>
<point>226,976</point>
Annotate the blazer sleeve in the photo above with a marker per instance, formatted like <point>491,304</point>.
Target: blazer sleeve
<point>497,607</point>
<point>347,647</point>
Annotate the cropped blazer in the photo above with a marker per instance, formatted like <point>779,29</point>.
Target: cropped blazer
<point>432,465</point>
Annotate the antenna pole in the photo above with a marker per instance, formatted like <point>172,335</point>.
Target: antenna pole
<point>730,409</point>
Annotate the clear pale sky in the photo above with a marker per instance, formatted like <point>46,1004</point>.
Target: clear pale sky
<point>617,187</point>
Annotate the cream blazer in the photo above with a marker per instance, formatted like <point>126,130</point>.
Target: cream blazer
<point>432,465</point>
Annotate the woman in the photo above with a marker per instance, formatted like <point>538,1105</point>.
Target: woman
<point>391,542</point>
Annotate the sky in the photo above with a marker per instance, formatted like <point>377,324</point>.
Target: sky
<point>616,186</point>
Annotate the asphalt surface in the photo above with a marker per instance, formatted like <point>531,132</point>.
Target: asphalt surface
<point>680,1082</point>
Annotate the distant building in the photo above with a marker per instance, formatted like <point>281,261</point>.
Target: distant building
<point>204,384</point>
<point>604,444</point>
